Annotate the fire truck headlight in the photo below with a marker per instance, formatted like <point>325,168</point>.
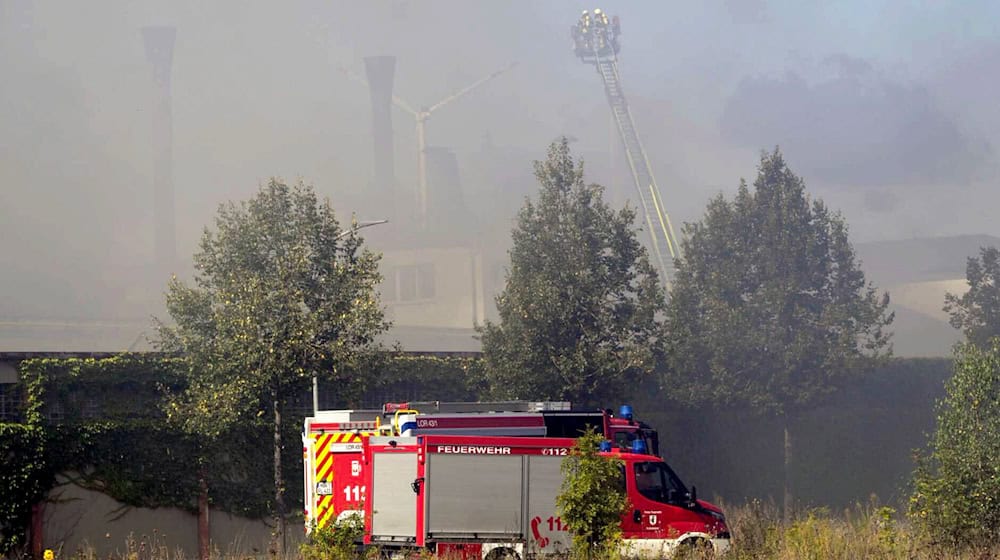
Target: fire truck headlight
<point>718,516</point>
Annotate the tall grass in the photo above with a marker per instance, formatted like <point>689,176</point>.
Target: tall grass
<point>157,547</point>
<point>865,531</point>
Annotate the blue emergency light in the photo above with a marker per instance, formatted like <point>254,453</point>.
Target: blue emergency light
<point>639,446</point>
<point>605,446</point>
<point>625,411</point>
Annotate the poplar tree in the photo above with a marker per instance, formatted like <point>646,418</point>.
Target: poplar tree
<point>770,309</point>
<point>579,315</point>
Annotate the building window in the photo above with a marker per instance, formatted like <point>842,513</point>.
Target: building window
<point>10,402</point>
<point>55,412</point>
<point>91,409</point>
<point>409,283</point>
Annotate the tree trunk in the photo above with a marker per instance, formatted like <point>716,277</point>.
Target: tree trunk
<point>36,532</point>
<point>279,490</point>
<point>787,510</point>
<point>204,535</point>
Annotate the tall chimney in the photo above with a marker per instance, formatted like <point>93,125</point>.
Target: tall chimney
<point>381,71</point>
<point>159,42</point>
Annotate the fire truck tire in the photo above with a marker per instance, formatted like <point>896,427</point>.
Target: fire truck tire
<point>695,548</point>
<point>502,553</point>
<point>395,554</point>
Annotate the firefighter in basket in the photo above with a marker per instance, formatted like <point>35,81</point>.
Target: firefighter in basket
<point>600,19</point>
<point>582,34</point>
<point>600,31</point>
<point>615,31</point>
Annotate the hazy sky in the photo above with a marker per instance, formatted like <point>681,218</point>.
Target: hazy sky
<point>886,108</point>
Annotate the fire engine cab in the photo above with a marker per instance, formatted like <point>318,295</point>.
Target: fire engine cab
<point>332,439</point>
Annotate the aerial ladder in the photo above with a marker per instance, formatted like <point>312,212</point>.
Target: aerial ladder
<point>596,41</point>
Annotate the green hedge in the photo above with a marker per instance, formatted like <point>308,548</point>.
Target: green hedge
<point>858,444</point>
<point>24,479</point>
<point>100,422</point>
<point>407,377</point>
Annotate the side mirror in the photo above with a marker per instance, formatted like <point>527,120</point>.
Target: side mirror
<point>637,516</point>
<point>694,495</point>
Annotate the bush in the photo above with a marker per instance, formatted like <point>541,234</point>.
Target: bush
<point>592,499</point>
<point>335,541</point>
<point>956,488</point>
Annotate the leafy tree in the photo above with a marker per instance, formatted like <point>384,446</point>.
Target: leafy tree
<point>769,308</point>
<point>956,488</point>
<point>281,294</point>
<point>578,315</point>
<point>592,498</point>
<point>977,312</point>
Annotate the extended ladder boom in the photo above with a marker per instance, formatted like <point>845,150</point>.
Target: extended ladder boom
<point>598,44</point>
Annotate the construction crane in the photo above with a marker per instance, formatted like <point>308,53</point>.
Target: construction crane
<point>596,41</point>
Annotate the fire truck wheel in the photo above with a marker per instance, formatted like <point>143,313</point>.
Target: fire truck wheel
<point>502,553</point>
<point>695,548</point>
<point>395,554</point>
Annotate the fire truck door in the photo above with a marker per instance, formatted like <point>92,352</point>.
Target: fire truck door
<point>547,532</point>
<point>392,498</point>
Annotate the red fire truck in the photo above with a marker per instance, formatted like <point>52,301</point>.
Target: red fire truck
<point>495,498</point>
<point>332,439</point>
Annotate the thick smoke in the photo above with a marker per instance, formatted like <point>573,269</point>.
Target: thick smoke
<point>60,238</point>
<point>256,92</point>
<point>747,11</point>
<point>855,127</point>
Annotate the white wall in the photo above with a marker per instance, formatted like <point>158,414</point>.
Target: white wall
<point>77,519</point>
<point>456,299</point>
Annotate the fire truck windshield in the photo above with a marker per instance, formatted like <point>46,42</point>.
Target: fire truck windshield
<point>658,482</point>
<point>624,439</point>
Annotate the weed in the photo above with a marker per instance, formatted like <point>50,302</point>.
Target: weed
<point>335,541</point>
